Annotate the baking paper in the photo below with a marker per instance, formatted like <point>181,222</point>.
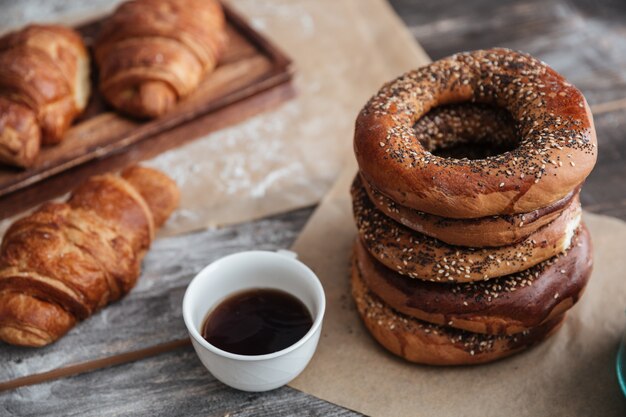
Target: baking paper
<point>570,374</point>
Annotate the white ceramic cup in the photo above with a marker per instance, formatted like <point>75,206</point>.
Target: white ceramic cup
<point>248,270</point>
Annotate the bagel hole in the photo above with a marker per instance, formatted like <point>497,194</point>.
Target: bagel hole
<point>467,131</point>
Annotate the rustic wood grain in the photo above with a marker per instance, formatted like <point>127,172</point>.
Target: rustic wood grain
<point>94,364</point>
<point>173,384</point>
<point>586,51</point>
<point>252,65</point>
<point>605,189</point>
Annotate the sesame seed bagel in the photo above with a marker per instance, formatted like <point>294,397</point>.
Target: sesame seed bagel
<point>420,256</point>
<point>430,344</point>
<point>481,232</point>
<point>555,151</point>
<point>507,305</point>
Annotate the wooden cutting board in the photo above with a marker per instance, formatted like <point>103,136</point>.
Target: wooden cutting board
<point>252,76</point>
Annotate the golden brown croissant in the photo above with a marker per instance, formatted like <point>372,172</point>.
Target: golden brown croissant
<point>67,260</point>
<point>44,85</point>
<point>150,53</point>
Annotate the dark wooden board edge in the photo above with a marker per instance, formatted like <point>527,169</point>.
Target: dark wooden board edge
<point>281,72</point>
<point>94,365</point>
<point>65,181</point>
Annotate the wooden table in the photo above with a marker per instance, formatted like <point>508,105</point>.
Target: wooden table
<point>584,40</point>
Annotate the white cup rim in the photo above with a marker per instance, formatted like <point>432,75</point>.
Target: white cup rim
<point>317,322</point>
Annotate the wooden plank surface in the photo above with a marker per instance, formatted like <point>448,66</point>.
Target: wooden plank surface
<point>585,40</point>
<point>173,384</point>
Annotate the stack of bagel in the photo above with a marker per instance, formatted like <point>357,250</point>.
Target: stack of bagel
<point>470,242</point>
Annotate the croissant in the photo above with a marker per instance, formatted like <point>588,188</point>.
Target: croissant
<point>44,85</point>
<point>67,260</point>
<point>151,53</point>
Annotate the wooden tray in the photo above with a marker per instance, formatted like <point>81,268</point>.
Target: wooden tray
<point>252,75</point>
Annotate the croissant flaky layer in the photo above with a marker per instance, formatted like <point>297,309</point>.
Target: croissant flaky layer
<point>44,85</point>
<point>66,260</point>
<point>20,136</point>
<point>150,53</point>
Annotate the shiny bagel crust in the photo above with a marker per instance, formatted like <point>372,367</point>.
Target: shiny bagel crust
<point>557,143</point>
<point>419,256</point>
<point>487,231</point>
<point>421,342</point>
<point>507,305</point>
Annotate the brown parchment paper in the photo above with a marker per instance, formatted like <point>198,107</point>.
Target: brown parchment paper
<point>343,51</point>
<point>571,374</point>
